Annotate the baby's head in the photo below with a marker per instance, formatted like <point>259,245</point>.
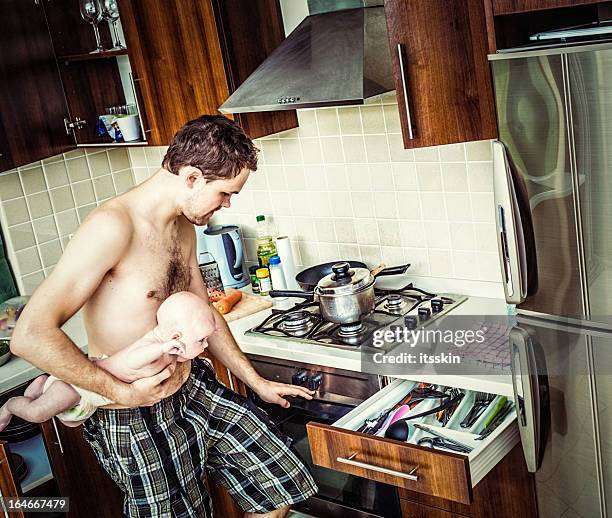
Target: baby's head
<point>186,317</point>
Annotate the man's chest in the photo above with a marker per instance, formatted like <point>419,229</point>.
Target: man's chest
<point>159,267</point>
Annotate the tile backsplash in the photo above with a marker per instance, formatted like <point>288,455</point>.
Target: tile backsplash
<point>44,202</point>
<point>341,186</point>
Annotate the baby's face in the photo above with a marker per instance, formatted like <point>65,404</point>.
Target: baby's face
<point>188,320</point>
<point>194,336</point>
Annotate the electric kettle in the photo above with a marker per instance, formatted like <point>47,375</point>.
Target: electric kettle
<point>223,242</point>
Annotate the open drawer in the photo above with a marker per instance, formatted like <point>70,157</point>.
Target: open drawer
<point>436,472</point>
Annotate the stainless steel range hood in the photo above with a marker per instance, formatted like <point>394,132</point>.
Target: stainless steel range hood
<point>338,55</point>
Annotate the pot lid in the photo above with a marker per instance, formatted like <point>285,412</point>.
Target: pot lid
<point>345,279</point>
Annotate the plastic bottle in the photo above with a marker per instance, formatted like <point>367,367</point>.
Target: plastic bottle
<point>263,275</point>
<point>277,275</point>
<point>266,247</point>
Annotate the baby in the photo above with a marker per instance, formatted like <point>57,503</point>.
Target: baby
<point>184,321</point>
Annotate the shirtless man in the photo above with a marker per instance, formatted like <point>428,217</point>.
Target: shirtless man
<point>127,257</point>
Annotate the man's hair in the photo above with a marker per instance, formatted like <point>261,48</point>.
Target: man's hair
<point>214,144</point>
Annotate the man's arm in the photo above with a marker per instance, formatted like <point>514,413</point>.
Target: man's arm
<point>224,347</point>
<point>96,248</point>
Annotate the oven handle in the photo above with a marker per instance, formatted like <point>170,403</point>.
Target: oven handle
<point>410,475</point>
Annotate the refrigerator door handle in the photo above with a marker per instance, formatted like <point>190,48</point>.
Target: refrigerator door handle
<point>510,238</point>
<point>530,396</point>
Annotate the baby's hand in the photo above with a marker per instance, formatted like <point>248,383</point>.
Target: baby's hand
<point>173,347</point>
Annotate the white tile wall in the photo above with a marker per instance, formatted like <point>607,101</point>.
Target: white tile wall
<point>342,186</point>
<point>44,202</point>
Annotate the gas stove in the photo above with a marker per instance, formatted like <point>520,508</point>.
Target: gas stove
<point>408,307</point>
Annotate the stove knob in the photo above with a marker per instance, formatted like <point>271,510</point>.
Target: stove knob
<point>411,322</point>
<point>314,382</point>
<point>424,314</point>
<point>299,378</point>
<point>437,305</point>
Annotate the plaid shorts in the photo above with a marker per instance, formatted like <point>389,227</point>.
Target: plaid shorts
<point>157,455</point>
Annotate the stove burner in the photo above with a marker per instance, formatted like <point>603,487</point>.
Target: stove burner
<point>394,302</point>
<point>297,323</point>
<point>351,330</point>
<point>351,334</point>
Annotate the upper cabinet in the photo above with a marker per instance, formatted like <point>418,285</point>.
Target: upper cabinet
<point>442,78</point>
<point>183,59</point>
<point>32,102</point>
<point>188,56</point>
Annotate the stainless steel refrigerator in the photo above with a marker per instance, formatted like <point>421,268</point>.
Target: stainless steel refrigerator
<point>553,200</point>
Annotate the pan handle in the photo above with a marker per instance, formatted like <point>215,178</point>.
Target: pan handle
<point>394,270</point>
<point>308,295</point>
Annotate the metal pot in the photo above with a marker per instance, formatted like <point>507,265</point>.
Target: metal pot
<point>345,296</point>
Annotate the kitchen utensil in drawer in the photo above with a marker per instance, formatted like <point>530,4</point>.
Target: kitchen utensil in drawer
<point>496,421</point>
<point>400,430</point>
<point>210,271</point>
<point>444,415</point>
<point>480,403</point>
<point>439,440</point>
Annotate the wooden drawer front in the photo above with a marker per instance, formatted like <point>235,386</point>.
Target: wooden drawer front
<point>439,473</point>
<point>414,510</point>
<point>442,474</point>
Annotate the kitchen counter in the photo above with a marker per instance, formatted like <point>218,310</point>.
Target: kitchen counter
<point>351,359</point>
<point>17,371</point>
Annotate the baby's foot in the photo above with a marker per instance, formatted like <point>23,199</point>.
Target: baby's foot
<point>35,389</point>
<point>5,417</point>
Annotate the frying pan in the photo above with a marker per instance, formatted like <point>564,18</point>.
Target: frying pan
<point>308,278</point>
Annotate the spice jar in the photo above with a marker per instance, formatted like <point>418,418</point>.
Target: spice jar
<point>265,284</point>
<point>254,279</point>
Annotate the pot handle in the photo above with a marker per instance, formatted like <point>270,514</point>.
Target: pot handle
<point>308,295</point>
<point>394,270</point>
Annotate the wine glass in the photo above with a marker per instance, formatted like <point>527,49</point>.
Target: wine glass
<point>110,12</point>
<point>91,12</point>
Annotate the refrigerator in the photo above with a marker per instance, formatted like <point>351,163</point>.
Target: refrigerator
<point>553,203</point>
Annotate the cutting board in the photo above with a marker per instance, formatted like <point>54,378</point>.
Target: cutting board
<point>248,305</point>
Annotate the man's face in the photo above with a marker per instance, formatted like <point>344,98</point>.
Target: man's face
<point>205,196</point>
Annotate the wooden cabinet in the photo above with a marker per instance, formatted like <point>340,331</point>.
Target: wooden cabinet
<point>7,482</point>
<point>189,55</point>
<point>507,491</point>
<point>442,77</point>
<point>78,475</point>
<point>32,102</point>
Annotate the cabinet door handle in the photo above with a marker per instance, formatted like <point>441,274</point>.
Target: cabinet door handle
<point>400,56</point>
<point>410,475</point>
<point>59,441</point>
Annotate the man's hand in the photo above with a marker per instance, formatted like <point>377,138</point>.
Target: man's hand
<point>273,392</point>
<point>151,390</point>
